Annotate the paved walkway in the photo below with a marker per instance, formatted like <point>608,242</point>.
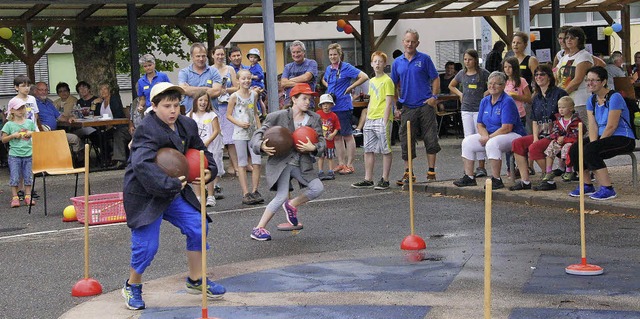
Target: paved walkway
<point>379,283</point>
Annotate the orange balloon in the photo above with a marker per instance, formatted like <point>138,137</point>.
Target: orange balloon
<point>532,37</point>
<point>342,23</point>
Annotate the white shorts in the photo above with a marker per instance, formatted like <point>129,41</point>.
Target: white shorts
<point>377,136</point>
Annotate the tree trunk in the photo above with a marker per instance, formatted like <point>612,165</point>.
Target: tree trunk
<point>95,58</point>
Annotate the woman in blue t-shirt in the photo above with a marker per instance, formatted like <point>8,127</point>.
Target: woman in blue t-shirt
<point>498,125</point>
<point>613,136</point>
<point>341,78</point>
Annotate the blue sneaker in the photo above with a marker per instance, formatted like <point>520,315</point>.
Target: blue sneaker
<point>214,291</point>
<point>588,190</point>
<point>603,194</point>
<point>259,233</point>
<point>292,212</point>
<point>132,294</point>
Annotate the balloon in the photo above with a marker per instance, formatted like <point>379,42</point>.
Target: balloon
<point>348,29</point>
<point>5,33</point>
<point>608,31</point>
<point>617,27</point>
<point>342,23</point>
<point>532,37</point>
<point>339,29</point>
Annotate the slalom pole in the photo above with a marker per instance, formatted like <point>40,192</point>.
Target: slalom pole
<point>203,221</point>
<point>487,247</point>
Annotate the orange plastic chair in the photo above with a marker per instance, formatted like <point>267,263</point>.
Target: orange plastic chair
<point>52,156</point>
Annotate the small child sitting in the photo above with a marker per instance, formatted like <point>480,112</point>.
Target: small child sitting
<point>330,127</point>
<point>564,133</point>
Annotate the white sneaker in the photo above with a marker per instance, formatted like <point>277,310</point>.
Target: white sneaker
<point>211,201</point>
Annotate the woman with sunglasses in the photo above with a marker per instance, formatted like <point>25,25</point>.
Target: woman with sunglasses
<point>610,135</point>
<point>544,105</point>
<point>572,68</point>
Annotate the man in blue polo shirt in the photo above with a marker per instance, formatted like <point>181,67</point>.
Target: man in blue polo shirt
<point>417,82</point>
<point>146,82</point>
<point>235,59</point>
<point>199,77</point>
<point>301,70</point>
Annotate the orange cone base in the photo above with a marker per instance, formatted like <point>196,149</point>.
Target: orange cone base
<point>66,220</point>
<point>413,242</point>
<point>584,270</point>
<point>86,287</point>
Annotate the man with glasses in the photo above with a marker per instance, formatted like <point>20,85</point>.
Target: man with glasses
<point>417,81</point>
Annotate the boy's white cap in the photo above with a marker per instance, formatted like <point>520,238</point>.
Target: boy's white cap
<point>14,104</point>
<point>164,86</point>
<point>255,52</point>
<point>326,98</point>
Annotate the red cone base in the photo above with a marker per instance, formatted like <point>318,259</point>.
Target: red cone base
<point>415,256</point>
<point>413,242</point>
<point>584,269</point>
<point>86,287</point>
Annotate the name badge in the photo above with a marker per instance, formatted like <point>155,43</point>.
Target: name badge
<point>146,87</point>
<point>209,82</point>
<point>207,121</point>
<point>473,86</point>
<point>250,105</point>
<point>523,67</point>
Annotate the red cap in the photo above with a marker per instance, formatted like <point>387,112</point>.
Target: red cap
<point>302,88</point>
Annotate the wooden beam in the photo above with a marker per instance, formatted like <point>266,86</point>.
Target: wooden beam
<point>29,14</point>
<point>508,5</point>
<point>370,3</point>
<point>235,10</point>
<point>187,33</point>
<point>503,36</point>
<point>438,6</point>
<point>474,5</point>
<point>141,10</point>
<point>384,33</point>
<point>534,9</point>
<point>14,49</point>
<point>188,11</point>
<point>282,8</point>
<point>574,4</point>
<point>625,18</point>
<point>408,5</point>
<point>322,8</point>
<point>47,45</point>
<point>89,11</point>
<point>355,33</point>
<point>231,34</point>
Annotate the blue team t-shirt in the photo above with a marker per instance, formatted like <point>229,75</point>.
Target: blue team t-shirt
<point>338,81</point>
<point>191,77</point>
<point>144,86</point>
<point>601,114</point>
<point>48,114</point>
<point>256,70</point>
<point>504,111</point>
<point>294,69</point>
<point>414,78</point>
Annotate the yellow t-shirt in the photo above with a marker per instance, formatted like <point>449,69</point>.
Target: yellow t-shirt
<point>379,89</point>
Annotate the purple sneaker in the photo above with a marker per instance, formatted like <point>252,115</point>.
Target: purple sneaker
<point>291,213</point>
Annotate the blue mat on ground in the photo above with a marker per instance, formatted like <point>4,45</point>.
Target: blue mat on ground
<point>549,277</point>
<point>371,274</point>
<point>534,313</point>
<point>298,312</point>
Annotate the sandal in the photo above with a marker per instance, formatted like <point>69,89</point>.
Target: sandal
<point>15,202</point>
<point>27,199</point>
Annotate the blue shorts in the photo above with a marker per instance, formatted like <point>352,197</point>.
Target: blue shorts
<point>146,239</point>
<point>20,168</point>
<point>345,118</point>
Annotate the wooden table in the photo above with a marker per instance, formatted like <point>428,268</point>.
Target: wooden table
<point>101,126</point>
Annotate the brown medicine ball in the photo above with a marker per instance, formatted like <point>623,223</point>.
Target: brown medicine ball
<point>280,138</point>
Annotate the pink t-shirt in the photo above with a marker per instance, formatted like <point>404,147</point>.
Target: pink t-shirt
<point>510,87</point>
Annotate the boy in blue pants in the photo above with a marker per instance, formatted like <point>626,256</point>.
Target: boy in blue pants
<point>150,195</point>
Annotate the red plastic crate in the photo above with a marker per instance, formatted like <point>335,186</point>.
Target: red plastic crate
<point>104,208</point>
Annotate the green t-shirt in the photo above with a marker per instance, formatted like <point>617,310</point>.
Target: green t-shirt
<point>379,89</point>
<point>19,147</point>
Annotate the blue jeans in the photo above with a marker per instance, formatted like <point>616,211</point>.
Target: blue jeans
<point>20,167</point>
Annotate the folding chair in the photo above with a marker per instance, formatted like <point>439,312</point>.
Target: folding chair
<point>52,156</point>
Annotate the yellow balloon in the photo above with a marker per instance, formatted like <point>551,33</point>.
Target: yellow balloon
<point>5,33</point>
<point>608,31</point>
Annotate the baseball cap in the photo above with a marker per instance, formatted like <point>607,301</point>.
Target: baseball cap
<point>302,88</point>
<point>15,103</point>
<point>256,52</point>
<point>162,87</point>
<point>326,98</point>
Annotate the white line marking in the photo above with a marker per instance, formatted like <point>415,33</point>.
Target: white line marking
<point>57,231</point>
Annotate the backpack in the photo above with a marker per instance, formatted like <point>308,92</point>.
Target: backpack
<point>632,106</point>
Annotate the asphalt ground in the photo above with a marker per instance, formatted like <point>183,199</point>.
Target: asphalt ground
<point>42,257</point>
